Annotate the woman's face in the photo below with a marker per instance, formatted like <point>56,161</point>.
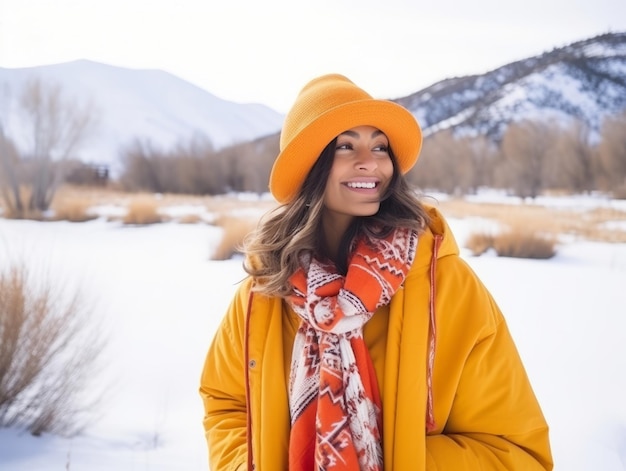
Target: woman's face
<point>360,174</point>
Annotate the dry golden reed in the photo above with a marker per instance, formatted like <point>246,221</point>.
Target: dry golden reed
<point>524,244</point>
<point>10,205</point>
<point>234,230</point>
<point>601,224</point>
<point>142,210</point>
<point>42,324</point>
<point>586,224</point>
<point>479,242</point>
<point>72,210</point>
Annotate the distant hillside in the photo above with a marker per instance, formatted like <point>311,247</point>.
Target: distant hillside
<point>144,104</point>
<point>585,80</point>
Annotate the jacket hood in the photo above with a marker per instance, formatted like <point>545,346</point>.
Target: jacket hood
<point>437,227</point>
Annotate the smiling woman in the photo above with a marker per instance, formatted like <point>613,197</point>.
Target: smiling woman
<point>357,183</point>
<point>361,340</point>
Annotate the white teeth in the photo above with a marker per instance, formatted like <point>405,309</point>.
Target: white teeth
<point>362,185</point>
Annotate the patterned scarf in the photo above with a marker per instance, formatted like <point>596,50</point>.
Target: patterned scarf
<point>333,392</point>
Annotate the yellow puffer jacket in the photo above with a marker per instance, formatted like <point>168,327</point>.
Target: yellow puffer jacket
<point>485,411</point>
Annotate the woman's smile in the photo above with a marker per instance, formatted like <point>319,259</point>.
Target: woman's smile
<point>363,185</point>
<point>361,171</point>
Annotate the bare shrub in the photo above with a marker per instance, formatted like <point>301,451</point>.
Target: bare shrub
<point>612,154</point>
<point>619,193</point>
<point>87,174</point>
<point>194,167</point>
<point>482,156</point>
<point>139,172</point>
<point>235,230</point>
<point>571,164</point>
<point>523,243</point>
<point>55,127</point>
<point>10,177</point>
<point>143,210</point>
<point>72,210</point>
<point>189,168</point>
<point>526,147</point>
<point>479,242</point>
<point>247,165</point>
<point>594,224</point>
<point>454,165</point>
<point>190,219</point>
<point>12,206</point>
<point>439,164</point>
<point>49,346</point>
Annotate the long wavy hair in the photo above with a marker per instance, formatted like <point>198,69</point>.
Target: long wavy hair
<point>274,249</point>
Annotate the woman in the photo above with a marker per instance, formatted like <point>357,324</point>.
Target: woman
<point>361,340</point>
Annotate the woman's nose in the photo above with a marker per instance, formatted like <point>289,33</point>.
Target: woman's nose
<point>366,161</point>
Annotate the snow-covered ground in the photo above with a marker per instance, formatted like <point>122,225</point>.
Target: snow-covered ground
<point>161,298</point>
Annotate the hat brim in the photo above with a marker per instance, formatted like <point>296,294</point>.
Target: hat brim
<point>295,161</point>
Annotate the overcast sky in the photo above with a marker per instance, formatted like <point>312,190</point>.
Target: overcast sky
<point>264,51</point>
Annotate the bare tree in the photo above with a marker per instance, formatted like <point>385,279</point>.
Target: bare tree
<point>263,151</point>
<point>190,167</point>
<point>479,156</point>
<point>571,165</point>
<point>455,165</point>
<point>247,165</point>
<point>526,147</point>
<point>612,154</point>
<point>139,167</point>
<point>55,127</point>
<point>438,166</point>
<point>9,179</point>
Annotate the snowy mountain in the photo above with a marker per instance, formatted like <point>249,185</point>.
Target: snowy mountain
<point>137,104</point>
<point>585,80</point>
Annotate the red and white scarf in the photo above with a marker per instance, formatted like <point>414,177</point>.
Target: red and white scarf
<point>333,392</point>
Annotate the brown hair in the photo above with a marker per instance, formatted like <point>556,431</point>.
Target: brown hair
<point>274,249</point>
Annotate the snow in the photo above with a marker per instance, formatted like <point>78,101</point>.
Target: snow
<point>603,49</point>
<point>161,298</point>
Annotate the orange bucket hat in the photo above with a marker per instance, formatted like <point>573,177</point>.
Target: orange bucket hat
<point>326,107</point>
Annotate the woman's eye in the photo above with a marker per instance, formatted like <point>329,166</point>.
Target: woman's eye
<point>349,146</point>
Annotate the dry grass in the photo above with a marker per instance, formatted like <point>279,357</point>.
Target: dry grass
<point>143,210</point>
<point>42,326</point>
<point>580,223</point>
<point>190,219</point>
<point>9,210</point>
<point>32,215</point>
<point>520,240</point>
<point>479,242</point>
<point>235,230</point>
<point>72,209</point>
<point>576,223</point>
<point>524,244</point>
<point>110,196</point>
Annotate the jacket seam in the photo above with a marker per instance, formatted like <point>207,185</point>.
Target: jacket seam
<point>250,459</point>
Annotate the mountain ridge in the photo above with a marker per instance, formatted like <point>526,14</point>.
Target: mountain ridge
<point>138,104</point>
<point>585,80</point>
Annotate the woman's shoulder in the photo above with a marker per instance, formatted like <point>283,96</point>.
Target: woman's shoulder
<point>437,239</point>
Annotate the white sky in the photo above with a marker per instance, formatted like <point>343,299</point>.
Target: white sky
<point>265,51</point>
